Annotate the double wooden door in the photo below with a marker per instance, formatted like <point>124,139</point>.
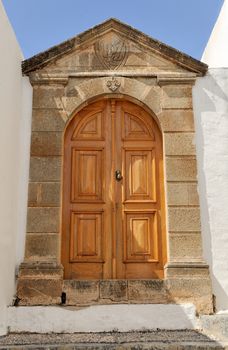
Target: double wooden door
<point>113,208</point>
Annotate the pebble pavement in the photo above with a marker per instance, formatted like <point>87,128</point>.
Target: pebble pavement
<point>148,340</point>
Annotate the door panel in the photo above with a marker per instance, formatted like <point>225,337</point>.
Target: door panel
<point>135,128</point>
<point>87,175</point>
<point>86,237</point>
<point>139,172</point>
<point>90,128</point>
<point>113,226</point>
<point>140,237</point>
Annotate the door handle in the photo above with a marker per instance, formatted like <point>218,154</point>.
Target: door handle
<point>118,175</point>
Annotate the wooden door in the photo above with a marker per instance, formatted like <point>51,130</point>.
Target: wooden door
<point>113,207</point>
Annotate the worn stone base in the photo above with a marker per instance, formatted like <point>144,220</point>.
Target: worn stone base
<point>190,282</point>
<point>43,284</point>
<point>40,284</point>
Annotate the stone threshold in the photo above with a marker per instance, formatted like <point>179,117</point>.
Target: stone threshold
<point>89,292</point>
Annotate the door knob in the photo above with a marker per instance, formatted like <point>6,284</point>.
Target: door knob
<point>118,175</point>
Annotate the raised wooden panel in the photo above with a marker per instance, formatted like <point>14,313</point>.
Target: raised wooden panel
<point>136,129</point>
<point>88,271</point>
<point>87,175</point>
<point>140,183</point>
<point>140,236</point>
<point>90,128</point>
<point>86,237</point>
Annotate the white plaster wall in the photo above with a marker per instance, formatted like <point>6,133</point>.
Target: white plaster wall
<point>15,117</point>
<point>24,134</point>
<point>216,51</point>
<point>210,101</point>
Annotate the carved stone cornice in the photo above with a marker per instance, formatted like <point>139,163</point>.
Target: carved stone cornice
<point>62,79</point>
<point>176,80</point>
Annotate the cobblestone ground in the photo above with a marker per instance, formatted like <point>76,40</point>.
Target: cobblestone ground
<point>154,340</point>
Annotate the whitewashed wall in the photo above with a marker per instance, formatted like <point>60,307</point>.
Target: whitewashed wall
<point>210,100</point>
<point>211,120</point>
<point>216,51</point>
<point>15,121</point>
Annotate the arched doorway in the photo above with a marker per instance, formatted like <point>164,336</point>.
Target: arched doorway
<point>113,223</point>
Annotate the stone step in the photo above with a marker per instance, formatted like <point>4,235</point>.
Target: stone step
<point>156,340</point>
<point>215,324</point>
<point>82,292</point>
<point>101,318</point>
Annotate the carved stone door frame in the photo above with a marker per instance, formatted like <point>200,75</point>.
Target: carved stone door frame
<point>169,101</point>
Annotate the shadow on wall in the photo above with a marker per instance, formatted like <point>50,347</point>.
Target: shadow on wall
<point>210,102</point>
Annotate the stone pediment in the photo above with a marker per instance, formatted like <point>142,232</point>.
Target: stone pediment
<point>113,46</point>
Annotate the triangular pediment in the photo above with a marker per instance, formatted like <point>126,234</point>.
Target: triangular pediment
<point>113,45</point>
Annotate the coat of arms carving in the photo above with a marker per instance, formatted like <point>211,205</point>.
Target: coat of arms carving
<point>111,51</point>
<point>113,84</point>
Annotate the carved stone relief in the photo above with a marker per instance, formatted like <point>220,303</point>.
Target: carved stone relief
<point>113,84</point>
<point>111,52</point>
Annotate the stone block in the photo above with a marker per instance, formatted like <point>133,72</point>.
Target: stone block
<point>176,120</point>
<point>92,87</point>
<point>113,290</point>
<point>177,144</point>
<point>48,96</point>
<point>42,220</point>
<point>148,291</point>
<point>193,290</point>
<point>33,193</point>
<point>147,94</point>
<point>87,89</point>
<point>48,120</point>
<point>46,143</point>
<point>183,269</point>
<point>42,247</point>
<point>45,169</point>
<point>181,169</point>
<point>182,193</point>
<point>185,246</point>
<point>152,98</point>
<point>44,194</point>
<point>72,103</point>
<point>216,325</point>
<point>177,96</point>
<point>46,291</point>
<point>41,269</point>
<point>81,292</point>
<point>184,219</point>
